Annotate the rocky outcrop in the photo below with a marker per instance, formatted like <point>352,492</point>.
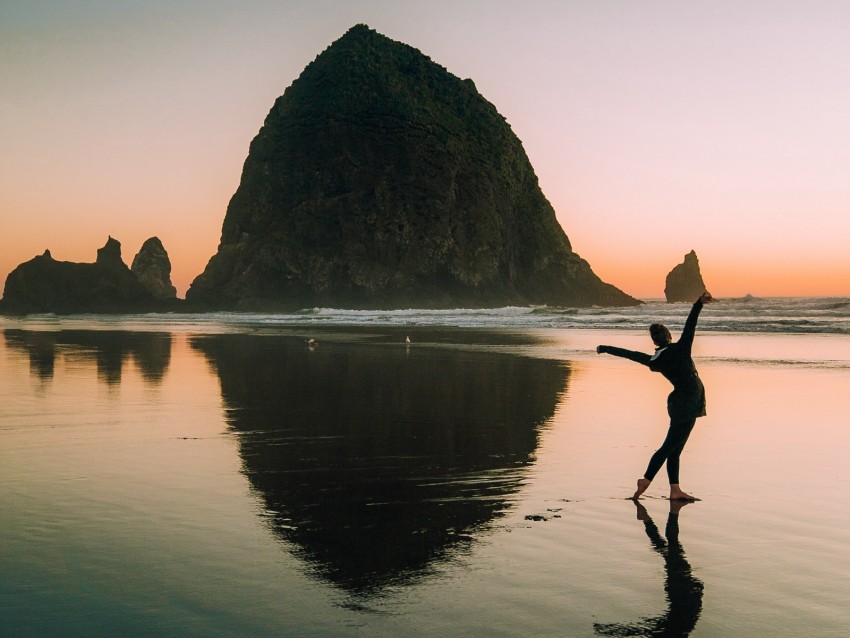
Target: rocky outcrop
<point>380,180</point>
<point>684,282</point>
<point>152,268</point>
<point>110,255</point>
<point>44,284</point>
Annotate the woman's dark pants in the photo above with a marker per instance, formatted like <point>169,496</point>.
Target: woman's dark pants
<point>670,450</point>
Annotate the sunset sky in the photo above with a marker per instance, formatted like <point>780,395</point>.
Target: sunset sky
<point>655,127</point>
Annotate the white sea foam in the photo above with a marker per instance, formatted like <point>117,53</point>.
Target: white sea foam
<point>810,315</point>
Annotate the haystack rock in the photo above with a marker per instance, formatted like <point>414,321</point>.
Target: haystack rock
<point>152,268</point>
<point>684,283</point>
<point>44,284</point>
<point>380,180</point>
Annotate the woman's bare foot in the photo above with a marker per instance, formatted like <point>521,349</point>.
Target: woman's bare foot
<point>642,485</point>
<point>676,494</point>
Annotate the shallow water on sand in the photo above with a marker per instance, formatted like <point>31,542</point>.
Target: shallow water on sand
<point>471,483</point>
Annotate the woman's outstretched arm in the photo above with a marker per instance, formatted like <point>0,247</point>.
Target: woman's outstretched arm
<point>688,332</point>
<point>639,357</point>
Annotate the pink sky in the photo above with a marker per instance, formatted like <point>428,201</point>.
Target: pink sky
<point>654,127</point>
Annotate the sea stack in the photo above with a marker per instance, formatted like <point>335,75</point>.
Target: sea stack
<point>106,285</point>
<point>381,180</point>
<point>684,282</point>
<point>152,268</point>
<point>44,284</point>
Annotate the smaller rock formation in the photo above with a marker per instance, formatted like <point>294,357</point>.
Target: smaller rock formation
<point>684,282</point>
<point>152,268</point>
<point>44,284</point>
<point>110,254</point>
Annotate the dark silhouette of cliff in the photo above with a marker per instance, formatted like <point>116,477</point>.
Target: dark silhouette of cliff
<point>381,180</point>
<point>44,284</point>
<point>152,268</point>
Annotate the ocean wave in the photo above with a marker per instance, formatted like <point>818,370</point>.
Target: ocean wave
<point>765,362</point>
<point>826,315</point>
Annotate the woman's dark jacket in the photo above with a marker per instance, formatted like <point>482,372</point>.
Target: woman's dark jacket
<point>687,401</point>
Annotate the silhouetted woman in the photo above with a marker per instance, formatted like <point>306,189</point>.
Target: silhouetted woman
<point>684,405</point>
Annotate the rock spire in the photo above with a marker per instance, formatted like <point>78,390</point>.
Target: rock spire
<point>152,268</point>
<point>684,282</point>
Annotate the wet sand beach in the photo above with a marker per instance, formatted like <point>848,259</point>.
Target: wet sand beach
<point>473,482</point>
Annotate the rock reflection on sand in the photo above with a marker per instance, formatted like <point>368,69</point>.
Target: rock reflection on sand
<point>376,462</point>
<point>109,350</point>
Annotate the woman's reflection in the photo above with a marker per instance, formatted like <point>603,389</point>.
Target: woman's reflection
<point>684,590</point>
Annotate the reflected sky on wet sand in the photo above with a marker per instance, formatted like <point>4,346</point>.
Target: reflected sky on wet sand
<point>377,462</point>
<point>470,483</point>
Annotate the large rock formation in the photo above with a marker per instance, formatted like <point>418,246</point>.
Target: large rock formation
<point>381,180</point>
<point>684,282</point>
<point>152,268</point>
<point>44,284</point>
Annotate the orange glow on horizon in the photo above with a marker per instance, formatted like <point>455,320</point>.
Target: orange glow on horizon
<point>652,132</point>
